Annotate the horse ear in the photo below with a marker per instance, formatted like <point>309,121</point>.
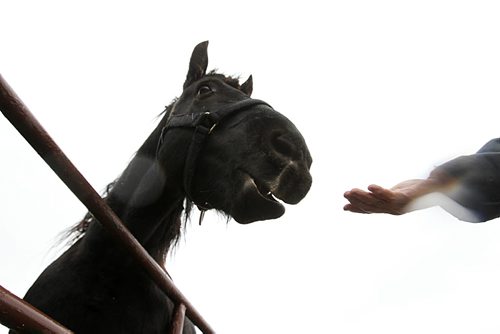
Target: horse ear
<point>198,64</point>
<point>247,86</point>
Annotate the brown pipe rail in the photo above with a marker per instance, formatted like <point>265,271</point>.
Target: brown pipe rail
<point>17,314</point>
<point>23,120</point>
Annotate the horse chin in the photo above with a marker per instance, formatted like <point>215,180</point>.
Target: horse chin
<point>254,203</point>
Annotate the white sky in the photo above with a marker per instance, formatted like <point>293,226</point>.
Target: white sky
<point>381,90</point>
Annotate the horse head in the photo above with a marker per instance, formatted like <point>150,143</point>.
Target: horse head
<point>243,157</point>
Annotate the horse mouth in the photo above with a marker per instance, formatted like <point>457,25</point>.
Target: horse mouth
<point>255,201</point>
<point>260,199</point>
<point>263,189</point>
<point>290,186</point>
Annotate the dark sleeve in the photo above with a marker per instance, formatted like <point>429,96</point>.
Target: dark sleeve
<point>476,183</point>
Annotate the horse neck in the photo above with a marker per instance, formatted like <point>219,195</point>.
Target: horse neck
<point>148,200</point>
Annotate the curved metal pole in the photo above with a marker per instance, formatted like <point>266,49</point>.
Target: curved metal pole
<point>19,115</point>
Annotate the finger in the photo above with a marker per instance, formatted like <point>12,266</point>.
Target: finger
<point>380,192</point>
<point>364,208</point>
<point>353,208</point>
<point>358,195</point>
<point>366,204</point>
<point>355,190</point>
<point>369,203</point>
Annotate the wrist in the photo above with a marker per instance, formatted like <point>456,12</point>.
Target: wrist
<point>438,180</point>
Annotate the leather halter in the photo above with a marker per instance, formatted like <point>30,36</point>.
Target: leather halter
<point>203,124</point>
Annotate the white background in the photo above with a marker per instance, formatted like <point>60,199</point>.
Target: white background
<point>382,91</point>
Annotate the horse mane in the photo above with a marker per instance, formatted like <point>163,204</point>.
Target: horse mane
<point>231,81</point>
<point>73,234</point>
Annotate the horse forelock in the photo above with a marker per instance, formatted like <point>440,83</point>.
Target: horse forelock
<point>231,81</point>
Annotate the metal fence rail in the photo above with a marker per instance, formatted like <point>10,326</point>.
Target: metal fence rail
<point>17,314</point>
<point>21,118</point>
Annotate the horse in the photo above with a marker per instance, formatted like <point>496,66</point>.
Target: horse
<point>216,148</point>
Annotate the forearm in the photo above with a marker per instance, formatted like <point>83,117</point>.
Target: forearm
<point>436,182</point>
<point>475,183</point>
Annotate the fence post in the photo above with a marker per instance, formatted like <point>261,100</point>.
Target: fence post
<point>28,126</point>
<point>178,319</point>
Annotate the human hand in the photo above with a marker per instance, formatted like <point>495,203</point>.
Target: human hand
<point>392,201</point>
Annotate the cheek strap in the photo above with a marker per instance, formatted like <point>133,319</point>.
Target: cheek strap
<point>203,125</point>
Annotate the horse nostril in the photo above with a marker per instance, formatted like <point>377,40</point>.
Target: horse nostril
<point>281,144</point>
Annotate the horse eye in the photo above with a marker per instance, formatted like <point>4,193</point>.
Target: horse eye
<point>204,91</point>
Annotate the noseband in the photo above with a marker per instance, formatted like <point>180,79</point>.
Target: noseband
<point>203,124</point>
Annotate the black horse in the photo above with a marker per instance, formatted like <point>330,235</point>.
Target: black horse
<point>215,148</point>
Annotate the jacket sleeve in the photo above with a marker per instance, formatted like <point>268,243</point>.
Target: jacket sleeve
<point>476,183</point>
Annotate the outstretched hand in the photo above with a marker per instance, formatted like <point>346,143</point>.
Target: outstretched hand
<point>393,201</point>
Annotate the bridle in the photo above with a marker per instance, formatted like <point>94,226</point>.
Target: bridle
<point>203,124</point>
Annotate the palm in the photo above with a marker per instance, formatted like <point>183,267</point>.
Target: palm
<point>382,200</point>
